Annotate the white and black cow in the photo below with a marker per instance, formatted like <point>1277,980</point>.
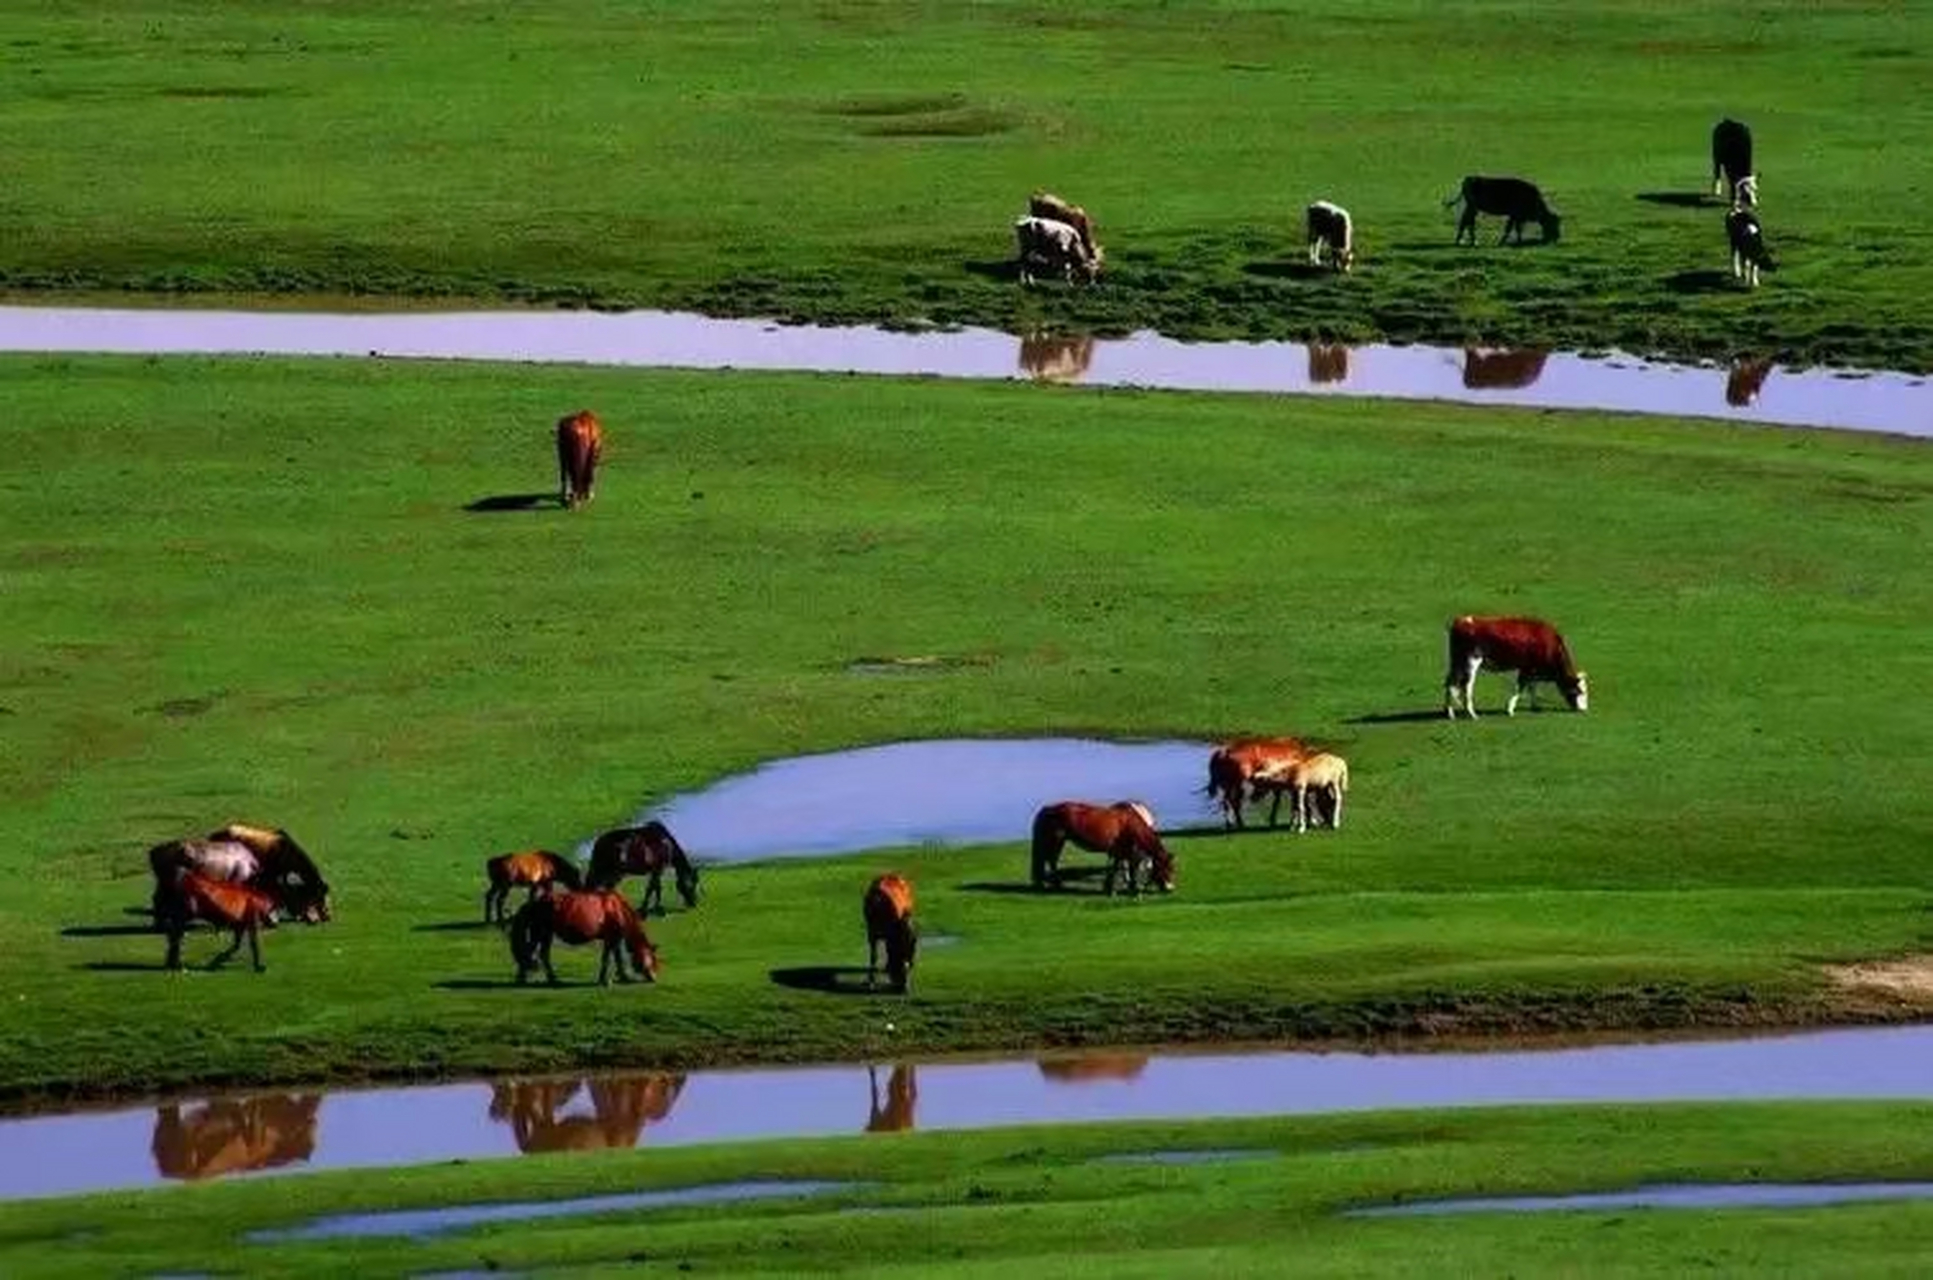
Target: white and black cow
<point>1331,228</point>
<point>1052,246</point>
<point>1732,162</point>
<point>1513,199</point>
<point>1749,253</point>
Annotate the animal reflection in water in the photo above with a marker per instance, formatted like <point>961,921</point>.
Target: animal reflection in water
<point>1328,362</point>
<point>234,1135</point>
<point>1094,1066</point>
<point>1502,370</point>
<point>894,1112</point>
<point>621,1107</point>
<point>1744,382</point>
<point>1056,358</point>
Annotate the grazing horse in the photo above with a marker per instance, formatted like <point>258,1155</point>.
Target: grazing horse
<point>645,851</point>
<point>234,1135</point>
<point>192,896</point>
<point>580,444</point>
<point>888,911</point>
<point>595,915</point>
<point>287,870</point>
<point>1233,765</point>
<point>895,1115</point>
<point>1316,782</point>
<point>535,869</point>
<point>621,1107</point>
<point>1123,831</point>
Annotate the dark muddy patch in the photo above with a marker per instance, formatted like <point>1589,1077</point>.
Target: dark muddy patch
<point>1737,1195</point>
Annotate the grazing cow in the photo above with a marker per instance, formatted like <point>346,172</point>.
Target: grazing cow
<point>1529,646</point>
<point>1045,204</point>
<point>1234,765</point>
<point>1513,199</point>
<point>1052,358</point>
<point>1732,162</point>
<point>1314,784</point>
<point>1331,228</point>
<point>1053,246</point>
<point>1502,370</point>
<point>888,911</point>
<point>1749,253</point>
<point>580,443</point>
<point>1744,382</point>
<point>1328,362</point>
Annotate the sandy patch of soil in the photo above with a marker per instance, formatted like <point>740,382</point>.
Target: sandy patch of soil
<point>1909,979</point>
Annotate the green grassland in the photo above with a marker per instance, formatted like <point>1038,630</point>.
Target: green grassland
<point>859,161</point>
<point>250,589</point>
<point>1047,1201</point>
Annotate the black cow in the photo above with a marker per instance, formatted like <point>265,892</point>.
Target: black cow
<point>1512,199</point>
<point>1749,253</point>
<point>1732,162</point>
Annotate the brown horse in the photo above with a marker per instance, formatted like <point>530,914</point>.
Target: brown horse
<point>895,1115</point>
<point>1233,764</point>
<point>1093,1066</point>
<point>888,911</point>
<point>580,443</point>
<point>287,870</point>
<point>1123,831</point>
<point>577,918</point>
<point>535,869</point>
<point>621,1107</point>
<point>645,851</point>
<point>237,907</point>
<point>234,1135</point>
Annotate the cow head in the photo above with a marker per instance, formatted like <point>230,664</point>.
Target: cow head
<point>1745,192</point>
<point>1551,224</point>
<point>1578,693</point>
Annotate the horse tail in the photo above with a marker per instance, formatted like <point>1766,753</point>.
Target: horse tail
<point>1049,835</point>
<point>524,933</point>
<point>607,866</point>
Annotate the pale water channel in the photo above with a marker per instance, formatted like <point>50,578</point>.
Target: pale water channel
<point>1748,391</point>
<point>370,1128</point>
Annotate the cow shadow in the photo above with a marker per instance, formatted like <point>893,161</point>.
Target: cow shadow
<point>1398,717</point>
<point>1699,282</point>
<point>515,502</point>
<point>111,930</point>
<point>1682,199</point>
<point>1005,269</point>
<point>830,979</point>
<point>1289,270</point>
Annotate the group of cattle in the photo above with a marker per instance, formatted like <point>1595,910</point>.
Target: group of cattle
<point>1058,237</point>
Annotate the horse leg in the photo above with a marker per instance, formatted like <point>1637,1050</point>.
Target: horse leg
<point>543,954</point>
<point>1275,807</point>
<point>653,892</point>
<point>233,947</point>
<point>255,947</point>
<point>872,959</point>
<point>175,928</point>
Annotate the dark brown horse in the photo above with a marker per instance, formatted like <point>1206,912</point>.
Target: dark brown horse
<point>580,444</point>
<point>234,1135</point>
<point>643,851</point>
<point>895,1114</point>
<point>1123,831</point>
<point>621,1107</point>
<point>535,869</point>
<point>596,915</point>
<point>888,911</point>
<point>239,908</point>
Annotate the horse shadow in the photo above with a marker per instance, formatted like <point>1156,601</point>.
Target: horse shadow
<point>124,966</point>
<point>515,502</point>
<point>110,930</point>
<point>454,926</point>
<point>537,983</point>
<point>830,979</point>
<point>1698,282</point>
<point>1290,270</point>
<point>1005,269</point>
<point>1681,199</point>
<point>1397,717</point>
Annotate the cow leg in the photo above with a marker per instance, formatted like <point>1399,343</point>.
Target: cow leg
<point>1463,684</point>
<point>1523,686</point>
<point>1466,224</point>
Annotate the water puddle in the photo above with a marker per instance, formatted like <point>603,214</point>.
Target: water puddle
<point>375,1128</point>
<point>422,1224</point>
<point>944,792</point>
<point>1747,391</point>
<point>1735,1195</point>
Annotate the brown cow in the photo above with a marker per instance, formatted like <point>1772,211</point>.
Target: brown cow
<point>580,443</point>
<point>1233,765</point>
<point>1530,647</point>
<point>888,911</point>
<point>1507,369</point>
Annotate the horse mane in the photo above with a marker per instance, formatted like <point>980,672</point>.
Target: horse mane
<point>301,863</point>
<point>564,869</point>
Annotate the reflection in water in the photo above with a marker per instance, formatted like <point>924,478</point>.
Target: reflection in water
<point>1743,383</point>
<point>1094,1066</point>
<point>1507,369</point>
<point>902,1095</point>
<point>1047,357</point>
<point>234,1135</point>
<point>1328,362</point>
<point>621,1106</point>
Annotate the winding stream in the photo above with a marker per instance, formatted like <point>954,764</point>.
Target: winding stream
<point>1749,391</point>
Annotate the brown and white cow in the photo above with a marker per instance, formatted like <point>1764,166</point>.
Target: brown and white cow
<point>1530,647</point>
<point>1045,204</point>
<point>580,443</point>
<point>1502,369</point>
<point>1052,246</point>
<point>1732,162</point>
<point>1234,766</point>
<point>1331,228</point>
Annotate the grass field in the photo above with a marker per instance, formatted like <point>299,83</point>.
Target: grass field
<point>852,160</point>
<point>249,589</point>
<point>1051,1202</point>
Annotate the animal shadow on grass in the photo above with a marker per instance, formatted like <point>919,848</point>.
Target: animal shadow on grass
<point>1698,281</point>
<point>110,930</point>
<point>454,926</point>
<point>1681,199</point>
<point>537,983</point>
<point>1290,270</point>
<point>1006,269</point>
<point>515,502</point>
<point>833,979</point>
<point>126,966</point>
<point>1022,888</point>
<point>1398,717</point>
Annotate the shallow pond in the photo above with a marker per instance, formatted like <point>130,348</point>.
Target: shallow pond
<point>1748,391</point>
<point>371,1128</point>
